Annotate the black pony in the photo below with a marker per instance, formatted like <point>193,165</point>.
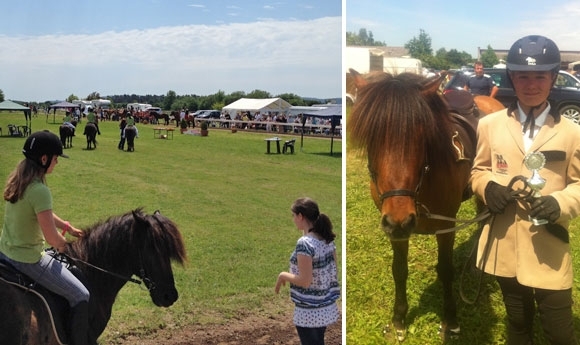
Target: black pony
<point>159,117</point>
<point>130,134</point>
<point>108,255</point>
<point>91,134</point>
<point>66,136</point>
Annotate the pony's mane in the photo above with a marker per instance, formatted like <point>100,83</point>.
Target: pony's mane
<point>105,238</point>
<point>395,118</point>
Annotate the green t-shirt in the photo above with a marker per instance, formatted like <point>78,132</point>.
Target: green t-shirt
<point>66,118</point>
<point>22,239</point>
<point>91,117</point>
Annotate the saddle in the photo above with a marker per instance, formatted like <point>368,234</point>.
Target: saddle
<point>56,306</point>
<point>465,117</point>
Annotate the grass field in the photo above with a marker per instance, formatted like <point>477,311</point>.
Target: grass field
<point>230,200</point>
<point>370,287</point>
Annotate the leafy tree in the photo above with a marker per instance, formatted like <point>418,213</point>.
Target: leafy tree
<point>488,57</point>
<point>234,96</point>
<point>218,105</point>
<point>363,38</point>
<point>292,99</point>
<point>93,95</point>
<point>420,47</point>
<point>259,94</point>
<point>71,98</point>
<point>2,96</point>
<point>169,99</point>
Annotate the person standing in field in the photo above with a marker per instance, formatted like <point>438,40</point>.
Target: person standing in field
<point>526,243</point>
<point>313,279</point>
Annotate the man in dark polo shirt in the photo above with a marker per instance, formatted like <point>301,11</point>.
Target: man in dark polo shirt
<point>480,84</point>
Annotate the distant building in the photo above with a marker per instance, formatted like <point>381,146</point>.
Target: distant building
<point>384,59</point>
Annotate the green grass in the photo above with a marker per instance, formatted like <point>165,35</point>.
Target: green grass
<point>370,287</point>
<point>230,200</point>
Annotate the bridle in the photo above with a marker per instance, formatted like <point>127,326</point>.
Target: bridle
<point>414,194</point>
<point>421,209</point>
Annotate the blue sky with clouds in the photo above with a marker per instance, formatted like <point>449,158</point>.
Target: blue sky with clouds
<point>52,49</point>
<point>465,26</point>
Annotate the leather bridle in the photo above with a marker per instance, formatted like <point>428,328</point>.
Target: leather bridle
<point>402,192</point>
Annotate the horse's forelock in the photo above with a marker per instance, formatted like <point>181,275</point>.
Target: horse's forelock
<point>167,238</point>
<point>398,116</point>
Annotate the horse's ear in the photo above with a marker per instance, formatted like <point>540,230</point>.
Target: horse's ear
<point>359,81</point>
<point>157,212</point>
<point>138,215</point>
<point>431,85</point>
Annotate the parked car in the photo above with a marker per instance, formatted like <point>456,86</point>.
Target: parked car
<point>565,95</point>
<point>207,114</point>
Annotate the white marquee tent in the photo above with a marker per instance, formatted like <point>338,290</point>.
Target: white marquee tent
<point>261,105</point>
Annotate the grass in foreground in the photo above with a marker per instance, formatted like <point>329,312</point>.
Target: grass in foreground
<point>370,286</point>
<point>230,200</point>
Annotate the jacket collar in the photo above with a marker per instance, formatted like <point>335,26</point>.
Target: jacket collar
<point>512,111</point>
<point>547,131</point>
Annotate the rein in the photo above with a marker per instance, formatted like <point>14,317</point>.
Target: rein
<point>518,194</point>
<point>68,259</point>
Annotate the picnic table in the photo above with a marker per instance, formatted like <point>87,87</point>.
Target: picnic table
<point>269,140</point>
<point>158,133</point>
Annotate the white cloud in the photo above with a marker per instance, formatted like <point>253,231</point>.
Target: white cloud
<point>173,58</point>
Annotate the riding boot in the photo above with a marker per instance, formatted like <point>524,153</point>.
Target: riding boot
<point>79,324</point>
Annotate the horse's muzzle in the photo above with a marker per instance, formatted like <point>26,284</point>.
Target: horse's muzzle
<point>164,297</point>
<point>399,230</point>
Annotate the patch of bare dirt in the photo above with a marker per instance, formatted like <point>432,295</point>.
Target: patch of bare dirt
<point>251,329</point>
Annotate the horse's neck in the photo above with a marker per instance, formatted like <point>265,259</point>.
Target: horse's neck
<point>103,287</point>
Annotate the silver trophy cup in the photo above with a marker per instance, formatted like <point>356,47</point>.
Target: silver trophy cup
<point>535,161</point>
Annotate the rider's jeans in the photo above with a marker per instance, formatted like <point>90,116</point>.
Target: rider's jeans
<point>55,277</point>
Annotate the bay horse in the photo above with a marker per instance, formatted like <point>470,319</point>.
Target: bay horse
<point>108,255</point>
<point>91,134</point>
<point>487,104</point>
<point>418,155</point>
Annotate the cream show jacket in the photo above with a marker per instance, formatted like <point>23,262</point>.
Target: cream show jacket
<point>517,247</point>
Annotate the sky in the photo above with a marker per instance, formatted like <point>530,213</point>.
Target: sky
<point>52,49</point>
<point>466,25</point>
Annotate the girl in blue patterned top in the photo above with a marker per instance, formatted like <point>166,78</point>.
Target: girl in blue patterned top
<point>313,278</point>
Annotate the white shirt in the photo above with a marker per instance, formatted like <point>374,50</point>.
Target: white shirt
<point>539,120</point>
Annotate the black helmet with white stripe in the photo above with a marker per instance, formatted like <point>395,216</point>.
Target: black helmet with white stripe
<point>533,53</point>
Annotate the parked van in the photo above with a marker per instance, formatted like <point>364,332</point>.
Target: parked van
<point>154,110</point>
<point>138,106</point>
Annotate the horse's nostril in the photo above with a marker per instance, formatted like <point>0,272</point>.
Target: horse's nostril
<point>387,224</point>
<point>410,222</point>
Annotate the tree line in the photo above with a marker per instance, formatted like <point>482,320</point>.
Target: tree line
<point>171,101</point>
<point>420,47</point>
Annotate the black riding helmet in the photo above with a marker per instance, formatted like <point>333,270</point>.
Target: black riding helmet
<point>533,53</point>
<point>42,143</point>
